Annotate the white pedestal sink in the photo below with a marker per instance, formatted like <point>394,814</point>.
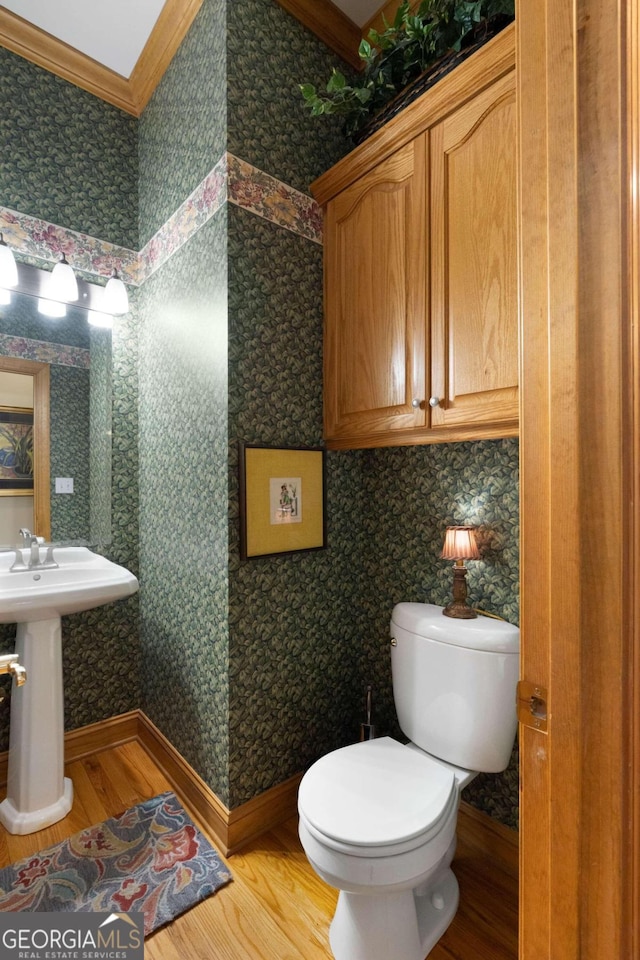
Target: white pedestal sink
<point>38,793</point>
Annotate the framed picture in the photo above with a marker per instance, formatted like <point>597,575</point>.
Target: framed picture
<point>282,494</point>
<point>16,452</point>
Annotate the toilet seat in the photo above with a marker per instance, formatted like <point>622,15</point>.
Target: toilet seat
<point>376,799</point>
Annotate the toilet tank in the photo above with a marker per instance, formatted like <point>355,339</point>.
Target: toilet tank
<point>454,685</point>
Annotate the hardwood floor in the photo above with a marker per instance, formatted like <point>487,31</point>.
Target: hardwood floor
<point>276,908</point>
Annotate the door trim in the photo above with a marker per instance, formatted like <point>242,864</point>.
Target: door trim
<point>578,63</point>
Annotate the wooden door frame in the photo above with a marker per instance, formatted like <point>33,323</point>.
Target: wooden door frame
<point>41,438</point>
<point>579,143</point>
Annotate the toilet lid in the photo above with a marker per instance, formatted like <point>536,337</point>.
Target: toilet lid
<point>375,793</point>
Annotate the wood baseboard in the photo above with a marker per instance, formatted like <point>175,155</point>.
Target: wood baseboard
<point>496,842</point>
<point>232,829</point>
<point>93,738</point>
<point>195,793</point>
<point>265,811</point>
<point>229,829</point>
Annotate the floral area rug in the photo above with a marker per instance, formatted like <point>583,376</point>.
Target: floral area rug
<point>151,859</point>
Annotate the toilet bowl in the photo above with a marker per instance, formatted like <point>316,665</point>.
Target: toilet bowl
<point>377,821</point>
<point>378,818</point>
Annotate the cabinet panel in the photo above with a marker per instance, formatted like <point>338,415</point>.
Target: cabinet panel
<point>375,298</point>
<point>473,266</point>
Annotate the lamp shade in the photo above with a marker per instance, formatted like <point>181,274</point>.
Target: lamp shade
<point>116,299</point>
<point>460,544</point>
<point>63,284</point>
<point>51,308</point>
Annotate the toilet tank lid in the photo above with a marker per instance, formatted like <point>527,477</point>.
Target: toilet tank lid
<point>484,633</point>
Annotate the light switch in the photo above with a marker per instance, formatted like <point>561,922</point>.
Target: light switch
<point>64,484</point>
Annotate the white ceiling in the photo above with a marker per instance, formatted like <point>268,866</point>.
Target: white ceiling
<point>114,32</point>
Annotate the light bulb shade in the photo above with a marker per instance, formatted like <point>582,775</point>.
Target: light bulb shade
<point>460,544</point>
<point>5,297</point>
<point>97,319</point>
<point>8,268</point>
<point>51,308</point>
<point>63,284</point>
<point>116,299</point>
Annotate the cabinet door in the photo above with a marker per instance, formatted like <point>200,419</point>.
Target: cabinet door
<point>474,306</point>
<point>375,299</point>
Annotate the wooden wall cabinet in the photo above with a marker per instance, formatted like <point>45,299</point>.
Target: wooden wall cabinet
<point>376,298</point>
<point>421,310</point>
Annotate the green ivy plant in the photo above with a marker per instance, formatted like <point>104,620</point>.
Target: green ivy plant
<point>400,53</point>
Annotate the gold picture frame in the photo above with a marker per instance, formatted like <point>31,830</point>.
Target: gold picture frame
<point>16,452</point>
<point>282,500</point>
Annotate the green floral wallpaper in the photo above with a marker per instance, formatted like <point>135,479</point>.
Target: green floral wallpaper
<point>183,128</point>
<point>294,643</point>
<point>410,495</point>
<point>124,440</point>
<point>69,427</point>
<point>21,318</point>
<point>183,501</point>
<point>66,156</point>
<point>100,436</point>
<point>268,54</point>
<point>101,648</point>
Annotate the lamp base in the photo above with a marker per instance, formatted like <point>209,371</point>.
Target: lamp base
<point>459,611</point>
<point>459,608</point>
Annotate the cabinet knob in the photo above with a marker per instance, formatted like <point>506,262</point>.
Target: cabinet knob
<point>434,401</point>
<point>415,403</point>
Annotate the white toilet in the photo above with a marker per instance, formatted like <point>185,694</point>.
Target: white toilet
<point>378,818</point>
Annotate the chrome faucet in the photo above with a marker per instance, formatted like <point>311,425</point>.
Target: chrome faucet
<point>33,542</point>
<point>30,540</point>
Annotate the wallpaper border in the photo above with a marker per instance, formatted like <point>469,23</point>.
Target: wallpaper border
<point>44,242</point>
<point>231,180</point>
<point>273,200</point>
<point>44,352</point>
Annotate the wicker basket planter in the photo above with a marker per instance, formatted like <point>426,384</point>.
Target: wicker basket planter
<point>484,32</point>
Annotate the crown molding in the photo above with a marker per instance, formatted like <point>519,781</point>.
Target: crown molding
<point>322,17</point>
<point>170,30</point>
<point>130,95</point>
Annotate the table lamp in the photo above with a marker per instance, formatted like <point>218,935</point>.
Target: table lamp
<point>460,545</point>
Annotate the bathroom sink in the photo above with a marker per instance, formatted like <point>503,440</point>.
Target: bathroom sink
<point>81,580</point>
<point>74,579</point>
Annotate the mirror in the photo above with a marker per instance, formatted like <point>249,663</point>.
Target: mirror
<point>65,366</point>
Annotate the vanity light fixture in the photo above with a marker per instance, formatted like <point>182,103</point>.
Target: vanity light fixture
<point>56,288</point>
<point>63,284</point>
<point>460,545</point>
<point>116,299</point>
<point>8,268</point>
<point>51,308</point>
